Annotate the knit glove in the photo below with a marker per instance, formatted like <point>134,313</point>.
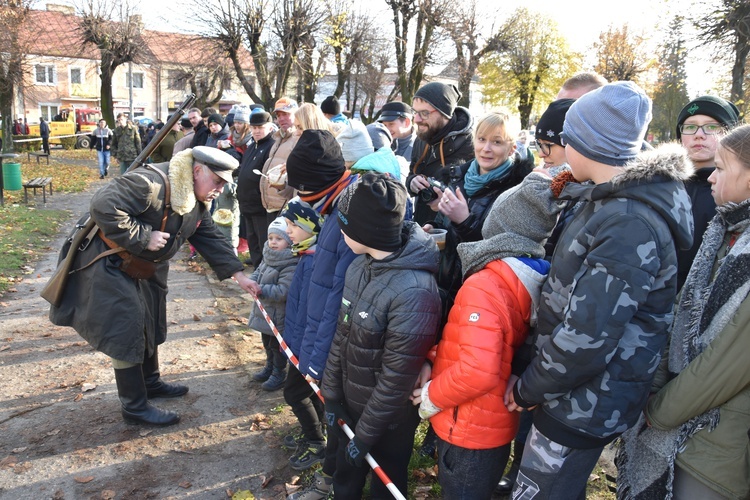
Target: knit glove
<point>356,451</point>
<point>426,408</point>
<point>335,411</point>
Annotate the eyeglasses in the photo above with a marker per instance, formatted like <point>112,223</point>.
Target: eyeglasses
<point>423,115</point>
<point>708,128</point>
<point>545,147</point>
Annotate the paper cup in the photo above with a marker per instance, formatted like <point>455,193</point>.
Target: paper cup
<point>439,236</point>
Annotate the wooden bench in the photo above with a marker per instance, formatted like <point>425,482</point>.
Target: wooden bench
<point>39,182</point>
<point>38,154</point>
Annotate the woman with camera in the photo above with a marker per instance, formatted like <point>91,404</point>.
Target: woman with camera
<point>462,207</point>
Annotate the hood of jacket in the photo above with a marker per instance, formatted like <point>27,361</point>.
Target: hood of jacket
<point>654,177</point>
<point>460,124</point>
<point>418,252</point>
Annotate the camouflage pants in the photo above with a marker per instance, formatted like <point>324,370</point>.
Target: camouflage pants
<point>551,470</point>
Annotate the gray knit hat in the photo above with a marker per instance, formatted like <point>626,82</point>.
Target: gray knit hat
<point>443,97</point>
<point>278,226</point>
<point>355,141</point>
<point>242,114</point>
<point>608,125</point>
<point>519,222</point>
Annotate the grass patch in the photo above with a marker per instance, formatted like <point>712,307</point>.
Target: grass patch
<point>25,234</point>
<point>25,230</point>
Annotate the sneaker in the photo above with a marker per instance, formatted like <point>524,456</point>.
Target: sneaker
<point>320,488</point>
<point>292,441</point>
<point>101,176</point>
<point>309,455</point>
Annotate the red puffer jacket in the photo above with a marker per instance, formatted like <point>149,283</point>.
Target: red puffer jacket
<point>488,321</point>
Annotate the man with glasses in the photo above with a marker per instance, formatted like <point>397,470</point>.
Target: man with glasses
<point>699,126</point>
<point>444,140</point>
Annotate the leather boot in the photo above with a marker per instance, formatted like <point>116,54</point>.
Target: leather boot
<point>275,381</point>
<point>135,406</point>
<point>505,486</point>
<point>155,387</point>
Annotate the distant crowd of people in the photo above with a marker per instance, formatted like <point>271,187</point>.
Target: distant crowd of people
<point>589,289</point>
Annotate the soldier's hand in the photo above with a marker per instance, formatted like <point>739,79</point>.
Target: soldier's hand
<point>158,241</point>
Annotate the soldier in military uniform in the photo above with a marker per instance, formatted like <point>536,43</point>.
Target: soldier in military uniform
<point>126,143</point>
<point>122,313</point>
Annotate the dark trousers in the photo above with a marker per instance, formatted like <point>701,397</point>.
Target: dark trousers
<point>256,234</point>
<point>305,404</point>
<point>392,452</point>
<point>274,355</point>
<point>470,474</point>
<point>45,144</point>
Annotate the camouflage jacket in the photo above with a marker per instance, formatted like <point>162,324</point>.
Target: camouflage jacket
<point>607,304</point>
<point>126,143</point>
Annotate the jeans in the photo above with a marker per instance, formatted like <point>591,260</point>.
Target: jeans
<point>392,452</point>
<point>470,474</point>
<point>551,470</point>
<point>103,157</point>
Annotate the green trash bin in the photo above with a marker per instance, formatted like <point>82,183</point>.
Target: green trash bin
<point>12,177</point>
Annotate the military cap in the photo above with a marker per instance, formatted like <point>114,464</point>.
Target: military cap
<point>217,160</point>
<point>393,110</point>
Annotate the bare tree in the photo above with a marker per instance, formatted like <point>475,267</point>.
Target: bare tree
<point>371,75</point>
<point>14,15</point>
<point>621,55</point>
<point>425,16</point>
<point>114,28</point>
<point>273,32</point>
<point>463,25</point>
<point>729,25</point>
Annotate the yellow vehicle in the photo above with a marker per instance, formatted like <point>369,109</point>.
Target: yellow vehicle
<point>69,122</point>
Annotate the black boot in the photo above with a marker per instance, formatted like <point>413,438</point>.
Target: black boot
<point>155,387</point>
<point>505,486</point>
<point>275,381</point>
<point>262,375</point>
<point>135,406</point>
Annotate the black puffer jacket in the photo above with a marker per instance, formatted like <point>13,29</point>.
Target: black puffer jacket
<point>450,147</point>
<point>248,183</point>
<point>387,323</point>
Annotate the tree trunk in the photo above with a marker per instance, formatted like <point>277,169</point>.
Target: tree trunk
<point>108,112</point>
<point>741,50</point>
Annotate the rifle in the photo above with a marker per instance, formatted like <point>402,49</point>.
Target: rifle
<point>86,228</point>
<point>151,146</point>
<point>83,233</point>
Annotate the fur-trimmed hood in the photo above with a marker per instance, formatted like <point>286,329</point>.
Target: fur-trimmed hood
<point>654,177</point>
<point>182,184</point>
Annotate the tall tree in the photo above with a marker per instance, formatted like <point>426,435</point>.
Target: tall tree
<point>13,18</point>
<point>424,16</point>
<point>621,55</point>
<point>729,26</point>
<point>670,94</point>
<point>113,27</point>
<point>534,65</point>
<point>272,32</point>
<point>463,25</point>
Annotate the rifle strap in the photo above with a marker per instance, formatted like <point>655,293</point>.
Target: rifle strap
<point>114,247</point>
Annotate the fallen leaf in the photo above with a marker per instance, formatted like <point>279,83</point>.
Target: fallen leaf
<point>19,450</point>
<point>22,467</point>
<point>243,495</point>
<point>196,317</point>
<point>53,432</point>
<point>229,493</point>
<point>8,462</point>
<point>46,334</point>
<point>4,348</point>
<point>78,397</point>
<point>88,387</point>
<point>108,495</point>
<point>594,477</point>
<point>210,313</point>
<point>179,300</point>
<point>265,480</point>
<point>83,479</point>
<point>144,433</point>
<point>186,484</point>
<point>173,322</point>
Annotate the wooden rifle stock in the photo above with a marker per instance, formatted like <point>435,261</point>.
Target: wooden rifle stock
<point>151,146</point>
<point>55,288</point>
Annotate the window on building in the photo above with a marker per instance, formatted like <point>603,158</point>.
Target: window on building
<point>76,76</point>
<point>226,82</point>
<point>176,79</point>
<point>49,111</point>
<point>137,80</point>
<point>45,74</point>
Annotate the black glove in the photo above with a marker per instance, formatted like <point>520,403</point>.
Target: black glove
<point>334,411</point>
<point>356,451</point>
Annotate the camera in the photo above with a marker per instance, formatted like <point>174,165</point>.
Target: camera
<point>428,194</point>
